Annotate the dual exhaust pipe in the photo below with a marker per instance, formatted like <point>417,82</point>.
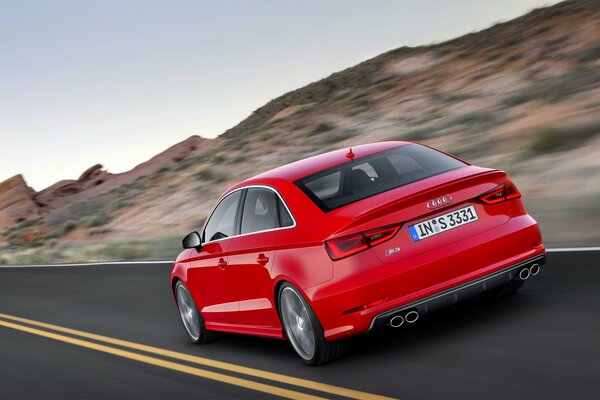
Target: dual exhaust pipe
<point>526,272</point>
<point>398,320</point>
<point>412,316</point>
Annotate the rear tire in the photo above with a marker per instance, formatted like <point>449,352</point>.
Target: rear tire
<point>516,286</point>
<point>504,290</point>
<point>191,317</point>
<point>303,329</point>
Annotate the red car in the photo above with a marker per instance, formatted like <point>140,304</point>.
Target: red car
<point>344,242</point>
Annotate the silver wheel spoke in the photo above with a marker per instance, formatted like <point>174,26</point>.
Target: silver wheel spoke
<point>297,323</point>
<point>189,314</point>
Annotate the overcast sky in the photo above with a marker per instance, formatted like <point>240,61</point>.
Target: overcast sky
<point>115,82</point>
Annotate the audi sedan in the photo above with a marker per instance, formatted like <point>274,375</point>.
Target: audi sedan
<point>348,241</point>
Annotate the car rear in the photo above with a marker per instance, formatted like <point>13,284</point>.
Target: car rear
<point>417,224</point>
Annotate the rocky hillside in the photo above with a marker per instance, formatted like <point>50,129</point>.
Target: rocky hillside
<point>523,96</point>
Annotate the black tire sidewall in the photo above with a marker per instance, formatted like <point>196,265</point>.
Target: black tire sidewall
<point>516,286</point>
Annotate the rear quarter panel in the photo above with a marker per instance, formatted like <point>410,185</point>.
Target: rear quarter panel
<point>301,257</point>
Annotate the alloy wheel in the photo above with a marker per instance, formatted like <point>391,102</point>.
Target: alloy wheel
<point>297,323</point>
<point>188,312</point>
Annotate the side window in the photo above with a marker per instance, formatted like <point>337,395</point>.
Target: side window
<point>285,219</point>
<point>260,211</point>
<point>222,221</point>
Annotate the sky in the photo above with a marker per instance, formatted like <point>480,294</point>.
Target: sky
<point>116,82</point>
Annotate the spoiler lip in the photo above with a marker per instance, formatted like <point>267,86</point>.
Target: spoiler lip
<point>376,217</point>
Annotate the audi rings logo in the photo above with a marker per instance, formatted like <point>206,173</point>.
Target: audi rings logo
<point>439,202</point>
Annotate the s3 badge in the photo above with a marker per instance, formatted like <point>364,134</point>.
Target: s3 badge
<point>392,251</point>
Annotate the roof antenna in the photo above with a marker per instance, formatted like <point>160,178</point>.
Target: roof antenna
<point>350,154</point>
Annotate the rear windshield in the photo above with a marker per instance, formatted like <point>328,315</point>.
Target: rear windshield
<point>344,184</point>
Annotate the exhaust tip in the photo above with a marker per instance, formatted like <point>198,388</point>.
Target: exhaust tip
<point>534,269</point>
<point>524,273</point>
<point>396,321</point>
<point>411,316</point>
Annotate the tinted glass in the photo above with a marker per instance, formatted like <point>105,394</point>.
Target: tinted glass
<point>325,186</point>
<point>285,219</point>
<point>222,221</point>
<point>357,180</point>
<point>260,211</point>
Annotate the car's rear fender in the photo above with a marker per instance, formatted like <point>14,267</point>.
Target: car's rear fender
<point>309,264</point>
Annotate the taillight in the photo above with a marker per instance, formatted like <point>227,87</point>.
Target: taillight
<point>504,192</point>
<point>380,235</point>
<point>348,245</point>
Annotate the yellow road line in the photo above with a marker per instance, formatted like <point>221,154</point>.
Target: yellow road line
<point>245,383</point>
<point>305,383</point>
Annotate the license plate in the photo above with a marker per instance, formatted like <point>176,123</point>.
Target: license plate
<point>442,223</point>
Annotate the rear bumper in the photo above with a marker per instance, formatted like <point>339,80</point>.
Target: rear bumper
<point>458,293</point>
<point>364,290</point>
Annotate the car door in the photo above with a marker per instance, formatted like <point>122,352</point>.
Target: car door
<point>212,283</point>
<point>252,255</point>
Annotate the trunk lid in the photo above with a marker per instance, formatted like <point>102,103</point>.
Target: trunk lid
<point>408,205</point>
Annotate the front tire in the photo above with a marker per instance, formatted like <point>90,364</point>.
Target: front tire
<point>303,329</point>
<point>191,317</point>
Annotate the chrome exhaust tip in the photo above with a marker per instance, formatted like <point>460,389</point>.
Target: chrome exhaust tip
<point>396,321</point>
<point>534,269</point>
<point>411,316</point>
<point>524,274</point>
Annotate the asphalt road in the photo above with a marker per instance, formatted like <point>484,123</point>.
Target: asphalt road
<point>541,343</point>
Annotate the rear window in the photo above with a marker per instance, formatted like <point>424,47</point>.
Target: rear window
<point>344,184</point>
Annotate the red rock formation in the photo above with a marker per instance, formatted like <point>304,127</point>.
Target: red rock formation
<point>59,194</point>
<point>17,201</point>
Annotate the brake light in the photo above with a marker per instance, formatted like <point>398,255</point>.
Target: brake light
<point>348,245</point>
<point>511,191</point>
<point>380,235</point>
<point>504,192</point>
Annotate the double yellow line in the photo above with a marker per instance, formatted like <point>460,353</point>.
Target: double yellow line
<point>16,324</point>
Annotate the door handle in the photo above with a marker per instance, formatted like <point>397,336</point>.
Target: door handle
<point>262,259</point>
<point>222,263</point>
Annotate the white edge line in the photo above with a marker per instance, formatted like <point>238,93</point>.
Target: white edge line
<point>92,264</point>
<point>572,249</point>
<point>106,263</point>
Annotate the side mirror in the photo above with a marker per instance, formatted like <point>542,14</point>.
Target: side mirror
<point>192,241</point>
